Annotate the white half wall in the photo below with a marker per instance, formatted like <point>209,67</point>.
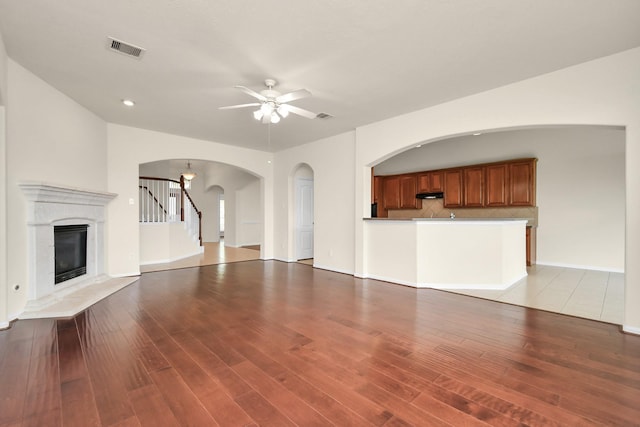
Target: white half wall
<point>599,92</point>
<point>165,242</point>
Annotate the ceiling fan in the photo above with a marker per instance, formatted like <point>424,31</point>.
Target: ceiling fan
<point>273,105</point>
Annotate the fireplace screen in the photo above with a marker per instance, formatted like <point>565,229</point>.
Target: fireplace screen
<point>70,251</point>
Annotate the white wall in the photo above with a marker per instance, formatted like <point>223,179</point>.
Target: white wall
<point>600,92</point>
<point>50,138</point>
<point>332,161</point>
<point>4,71</point>
<point>211,214</point>
<point>3,187</point>
<point>4,321</point>
<point>128,147</point>
<point>580,185</point>
<point>249,221</point>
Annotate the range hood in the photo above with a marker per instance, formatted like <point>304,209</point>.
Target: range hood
<point>439,195</point>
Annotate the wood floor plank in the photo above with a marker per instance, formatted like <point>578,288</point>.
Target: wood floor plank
<point>272,343</point>
<point>290,405</point>
<point>183,403</point>
<point>150,407</point>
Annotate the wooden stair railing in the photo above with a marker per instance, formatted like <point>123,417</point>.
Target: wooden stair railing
<point>163,204</point>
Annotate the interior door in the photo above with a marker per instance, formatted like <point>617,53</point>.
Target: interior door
<point>304,218</point>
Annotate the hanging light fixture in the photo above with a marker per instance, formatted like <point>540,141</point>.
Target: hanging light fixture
<point>188,174</point>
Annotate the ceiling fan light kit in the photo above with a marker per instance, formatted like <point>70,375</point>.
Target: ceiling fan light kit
<point>273,105</point>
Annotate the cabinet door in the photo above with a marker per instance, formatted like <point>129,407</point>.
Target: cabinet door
<point>391,192</point>
<point>408,190</point>
<point>497,181</point>
<point>430,182</point>
<point>522,183</point>
<point>453,188</point>
<point>474,187</point>
<point>424,185</point>
<point>436,181</point>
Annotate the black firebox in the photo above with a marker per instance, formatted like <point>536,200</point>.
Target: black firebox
<point>70,251</point>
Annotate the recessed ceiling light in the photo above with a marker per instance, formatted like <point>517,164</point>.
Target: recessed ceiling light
<point>128,102</point>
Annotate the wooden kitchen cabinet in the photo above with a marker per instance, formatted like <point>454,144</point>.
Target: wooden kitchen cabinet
<point>522,179</point>
<point>431,182</point>
<point>473,188</point>
<point>408,190</point>
<point>375,196</point>
<point>391,192</point>
<point>453,188</point>
<point>500,184</point>
<point>497,185</point>
<point>399,192</point>
<point>531,246</point>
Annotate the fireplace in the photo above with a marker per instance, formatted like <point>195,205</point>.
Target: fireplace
<point>70,244</point>
<point>59,263</point>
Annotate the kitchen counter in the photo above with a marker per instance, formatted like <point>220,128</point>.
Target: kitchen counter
<point>529,221</point>
<point>444,253</point>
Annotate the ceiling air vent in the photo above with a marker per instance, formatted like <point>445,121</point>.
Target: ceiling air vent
<point>323,116</point>
<point>125,48</point>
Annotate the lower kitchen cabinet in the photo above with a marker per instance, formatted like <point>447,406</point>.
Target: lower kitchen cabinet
<point>531,246</point>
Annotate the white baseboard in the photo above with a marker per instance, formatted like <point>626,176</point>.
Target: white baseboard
<point>631,329</point>
<point>390,280</point>
<point>132,274</point>
<point>581,267</point>
<point>336,270</point>
<point>285,259</point>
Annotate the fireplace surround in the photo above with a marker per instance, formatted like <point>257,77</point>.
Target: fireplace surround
<point>48,206</point>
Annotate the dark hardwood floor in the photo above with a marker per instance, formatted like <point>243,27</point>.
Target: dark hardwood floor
<point>270,343</point>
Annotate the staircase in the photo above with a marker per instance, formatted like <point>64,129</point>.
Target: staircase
<point>170,222</point>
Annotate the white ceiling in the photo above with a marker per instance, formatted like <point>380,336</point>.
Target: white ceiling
<point>363,60</point>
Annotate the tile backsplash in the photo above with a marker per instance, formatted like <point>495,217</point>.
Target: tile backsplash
<point>434,208</point>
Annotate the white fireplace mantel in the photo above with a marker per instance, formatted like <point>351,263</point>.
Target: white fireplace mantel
<point>50,205</point>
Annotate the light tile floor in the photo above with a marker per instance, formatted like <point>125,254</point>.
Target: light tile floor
<point>597,295</point>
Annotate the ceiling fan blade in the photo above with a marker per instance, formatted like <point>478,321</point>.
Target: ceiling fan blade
<point>301,112</point>
<point>252,93</point>
<point>231,107</point>
<point>292,96</point>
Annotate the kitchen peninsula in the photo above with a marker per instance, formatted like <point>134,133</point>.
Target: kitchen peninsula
<point>443,253</point>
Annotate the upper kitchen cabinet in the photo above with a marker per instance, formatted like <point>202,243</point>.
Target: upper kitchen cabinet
<point>453,188</point>
<point>408,190</point>
<point>497,185</point>
<point>473,187</point>
<point>391,192</point>
<point>522,182</point>
<point>431,182</point>
<point>399,192</point>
